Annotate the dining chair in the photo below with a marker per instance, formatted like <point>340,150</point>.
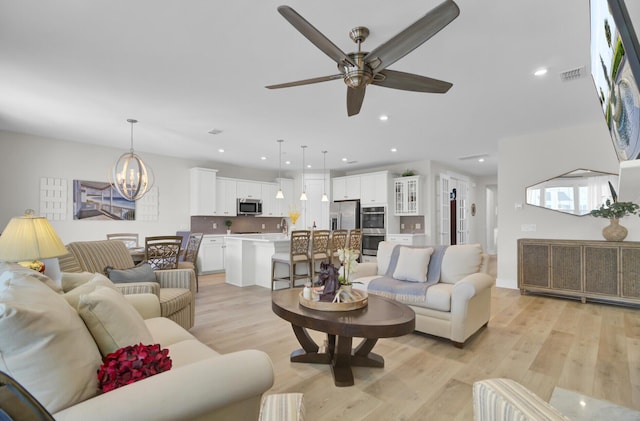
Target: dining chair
<point>338,241</point>
<point>190,256</point>
<point>162,252</point>
<point>354,241</point>
<point>130,239</point>
<point>319,250</point>
<point>298,254</point>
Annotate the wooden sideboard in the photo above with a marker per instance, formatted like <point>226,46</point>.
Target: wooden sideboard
<point>588,270</point>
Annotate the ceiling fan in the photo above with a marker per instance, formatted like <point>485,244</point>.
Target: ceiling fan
<point>363,68</point>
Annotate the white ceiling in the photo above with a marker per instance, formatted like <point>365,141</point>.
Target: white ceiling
<point>77,69</point>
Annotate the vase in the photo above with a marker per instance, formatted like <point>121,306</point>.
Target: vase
<point>614,231</point>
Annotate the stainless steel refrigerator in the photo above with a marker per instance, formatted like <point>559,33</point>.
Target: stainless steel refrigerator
<point>345,215</point>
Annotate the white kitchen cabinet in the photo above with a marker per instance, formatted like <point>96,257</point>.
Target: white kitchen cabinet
<point>407,239</point>
<point>283,205</point>
<point>226,197</point>
<point>374,188</point>
<point>269,201</point>
<point>211,254</point>
<point>346,188</point>
<point>249,189</point>
<point>202,191</point>
<point>407,196</point>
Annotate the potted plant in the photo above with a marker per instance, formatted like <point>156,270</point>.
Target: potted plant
<point>228,223</point>
<point>614,211</point>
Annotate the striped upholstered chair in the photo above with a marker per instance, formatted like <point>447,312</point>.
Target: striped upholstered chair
<point>508,400</point>
<point>175,288</point>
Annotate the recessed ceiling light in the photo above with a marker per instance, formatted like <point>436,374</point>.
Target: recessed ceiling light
<point>384,117</point>
<point>221,150</point>
<point>308,165</point>
<point>264,158</point>
<point>287,162</point>
<point>394,150</point>
<point>540,72</point>
<point>344,159</point>
<point>481,160</point>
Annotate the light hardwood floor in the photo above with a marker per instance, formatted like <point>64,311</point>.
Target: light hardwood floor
<point>541,342</point>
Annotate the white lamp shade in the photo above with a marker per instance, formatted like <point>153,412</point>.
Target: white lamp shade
<point>30,238</point>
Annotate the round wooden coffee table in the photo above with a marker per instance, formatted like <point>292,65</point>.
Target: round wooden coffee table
<point>382,318</point>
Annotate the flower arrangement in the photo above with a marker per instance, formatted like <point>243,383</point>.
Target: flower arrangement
<point>132,363</point>
<point>294,215</point>
<point>348,258</point>
<point>615,210</point>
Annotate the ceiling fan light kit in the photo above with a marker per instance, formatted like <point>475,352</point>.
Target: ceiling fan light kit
<point>361,68</point>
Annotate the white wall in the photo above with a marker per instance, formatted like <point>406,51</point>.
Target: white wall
<point>24,159</point>
<point>527,160</point>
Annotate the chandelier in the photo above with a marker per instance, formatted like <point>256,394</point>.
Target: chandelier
<point>130,176</point>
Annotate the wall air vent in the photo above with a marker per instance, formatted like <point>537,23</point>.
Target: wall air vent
<point>572,74</point>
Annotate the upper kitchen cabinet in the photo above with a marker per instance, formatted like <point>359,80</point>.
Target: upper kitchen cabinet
<point>226,196</point>
<point>249,190</point>
<point>202,191</point>
<point>346,188</point>
<point>288,202</point>
<point>374,188</point>
<point>269,201</point>
<point>407,196</point>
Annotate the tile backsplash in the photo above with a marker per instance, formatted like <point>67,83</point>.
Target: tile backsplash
<point>239,224</point>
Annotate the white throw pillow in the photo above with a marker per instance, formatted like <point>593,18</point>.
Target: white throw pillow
<point>71,280</point>
<point>460,261</point>
<point>385,248</point>
<point>413,264</point>
<point>112,320</point>
<point>44,344</point>
<point>97,280</point>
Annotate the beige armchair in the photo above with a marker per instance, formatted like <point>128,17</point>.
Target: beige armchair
<point>175,288</point>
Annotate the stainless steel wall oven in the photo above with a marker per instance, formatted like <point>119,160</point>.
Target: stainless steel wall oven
<point>374,230</point>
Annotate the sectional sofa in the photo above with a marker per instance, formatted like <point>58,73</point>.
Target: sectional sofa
<point>53,340</point>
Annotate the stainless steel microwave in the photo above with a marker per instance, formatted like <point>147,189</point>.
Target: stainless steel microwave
<point>249,207</point>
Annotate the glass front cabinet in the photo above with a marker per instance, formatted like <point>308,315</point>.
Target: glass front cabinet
<point>407,196</point>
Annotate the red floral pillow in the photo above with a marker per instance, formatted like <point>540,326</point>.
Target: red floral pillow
<point>132,363</point>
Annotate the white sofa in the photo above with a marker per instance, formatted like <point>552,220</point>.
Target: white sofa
<point>457,302</point>
<point>52,341</point>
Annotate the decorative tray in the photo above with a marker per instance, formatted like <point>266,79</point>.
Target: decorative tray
<point>360,300</point>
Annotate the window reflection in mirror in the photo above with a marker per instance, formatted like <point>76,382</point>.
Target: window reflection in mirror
<point>576,192</point>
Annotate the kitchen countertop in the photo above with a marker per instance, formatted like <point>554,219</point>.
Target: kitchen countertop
<point>267,237</point>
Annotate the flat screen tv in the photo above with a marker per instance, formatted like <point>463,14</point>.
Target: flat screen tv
<point>615,68</point>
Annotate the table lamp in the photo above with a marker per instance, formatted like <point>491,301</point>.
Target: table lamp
<point>28,238</point>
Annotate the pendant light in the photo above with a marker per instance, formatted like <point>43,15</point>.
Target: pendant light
<point>303,196</point>
<point>280,195</point>
<point>325,198</point>
<point>131,177</point>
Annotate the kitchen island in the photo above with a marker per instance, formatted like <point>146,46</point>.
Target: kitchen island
<point>248,257</point>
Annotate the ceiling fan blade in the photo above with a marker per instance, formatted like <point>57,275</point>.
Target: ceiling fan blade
<point>315,36</point>
<point>412,37</point>
<point>410,82</point>
<point>305,81</point>
<point>355,96</point>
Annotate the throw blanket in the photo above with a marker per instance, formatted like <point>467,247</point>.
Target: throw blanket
<point>404,291</point>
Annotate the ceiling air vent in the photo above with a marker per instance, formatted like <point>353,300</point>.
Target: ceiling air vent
<point>476,156</point>
<point>214,131</point>
<point>572,74</point>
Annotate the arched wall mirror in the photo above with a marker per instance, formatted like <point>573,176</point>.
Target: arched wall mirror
<point>576,192</point>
